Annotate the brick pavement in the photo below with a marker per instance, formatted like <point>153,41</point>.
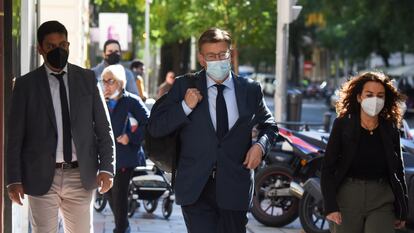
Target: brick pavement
<point>143,222</point>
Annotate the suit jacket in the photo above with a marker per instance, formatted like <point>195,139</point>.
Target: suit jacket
<point>32,136</point>
<point>201,150</point>
<point>341,150</point>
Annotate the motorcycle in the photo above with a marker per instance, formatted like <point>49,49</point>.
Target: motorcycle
<point>273,203</point>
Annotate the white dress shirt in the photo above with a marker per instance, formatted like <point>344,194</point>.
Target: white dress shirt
<point>54,91</point>
<point>229,94</point>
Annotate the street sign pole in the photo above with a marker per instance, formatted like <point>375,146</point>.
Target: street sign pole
<point>147,55</point>
<point>286,13</point>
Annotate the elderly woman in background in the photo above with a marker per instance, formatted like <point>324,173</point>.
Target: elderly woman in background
<point>128,116</point>
<point>362,180</point>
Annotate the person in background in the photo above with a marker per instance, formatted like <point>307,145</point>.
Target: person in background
<point>58,123</point>
<point>128,117</point>
<point>138,69</point>
<point>166,85</point>
<point>215,111</point>
<point>363,182</point>
<point>112,56</point>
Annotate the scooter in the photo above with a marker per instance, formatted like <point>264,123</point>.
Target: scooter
<point>289,160</point>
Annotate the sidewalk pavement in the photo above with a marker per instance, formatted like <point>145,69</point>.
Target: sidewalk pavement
<point>143,222</point>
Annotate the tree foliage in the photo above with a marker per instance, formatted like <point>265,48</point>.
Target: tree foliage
<point>356,28</point>
<point>251,23</point>
<point>353,28</point>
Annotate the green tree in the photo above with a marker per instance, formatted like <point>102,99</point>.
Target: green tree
<point>356,28</point>
<point>252,23</point>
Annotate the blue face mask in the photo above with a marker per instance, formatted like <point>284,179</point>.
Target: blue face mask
<point>218,70</point>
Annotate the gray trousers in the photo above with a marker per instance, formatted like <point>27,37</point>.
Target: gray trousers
<point>365,206</point>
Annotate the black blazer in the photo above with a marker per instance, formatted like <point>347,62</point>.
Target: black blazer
<point>201,149</point>
<point>341,150</point>
<point>32,132</point>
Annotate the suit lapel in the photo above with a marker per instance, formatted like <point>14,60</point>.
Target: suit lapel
<point>241,97</point>
<point>73,92</point>
<point>46,95</point>
<point>201,84</point>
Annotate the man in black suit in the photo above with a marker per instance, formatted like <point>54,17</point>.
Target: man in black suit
<point>58,125</point>
<point>215,111</point>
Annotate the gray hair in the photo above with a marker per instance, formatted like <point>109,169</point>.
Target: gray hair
<point>118,73</point>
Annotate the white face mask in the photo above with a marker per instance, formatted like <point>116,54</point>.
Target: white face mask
<point>372,105</point>
<point>115,94</point>
<point>218,70</point>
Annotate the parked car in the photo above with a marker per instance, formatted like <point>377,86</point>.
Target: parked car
<point>404,80</point>
<point>267,82</point>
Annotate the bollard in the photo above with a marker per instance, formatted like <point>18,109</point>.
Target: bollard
<point>327,121</point>
<point>294,107</point>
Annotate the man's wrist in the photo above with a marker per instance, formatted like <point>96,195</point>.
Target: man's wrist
<point>13,184</point>
<point>107,172</point>
<point>187,110</point>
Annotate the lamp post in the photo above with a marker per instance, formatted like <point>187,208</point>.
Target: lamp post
<point>287,12</point>
<point>147,56</point>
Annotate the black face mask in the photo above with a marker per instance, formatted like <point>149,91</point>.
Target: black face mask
<point>113,59</point>
<point>57,58</point>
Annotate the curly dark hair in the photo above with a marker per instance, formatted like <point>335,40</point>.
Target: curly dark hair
<point>348,103</point>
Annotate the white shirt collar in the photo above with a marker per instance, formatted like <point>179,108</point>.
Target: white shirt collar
<point>228,82</point>
<point>49,71</point>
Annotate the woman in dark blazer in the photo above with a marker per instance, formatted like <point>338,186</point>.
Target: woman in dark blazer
<point>128,116</point>
<point>363,181</point>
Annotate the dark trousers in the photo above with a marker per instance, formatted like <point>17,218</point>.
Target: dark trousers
<point>205,216</point>
<point>118,199</point>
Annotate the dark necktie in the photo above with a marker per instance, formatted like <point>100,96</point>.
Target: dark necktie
<point>67,136</point>
<point>221,113</point>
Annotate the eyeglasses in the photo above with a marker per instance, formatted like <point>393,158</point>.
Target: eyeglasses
<point>63,45</point>
<point>109,82</point>
<point>217,56</point>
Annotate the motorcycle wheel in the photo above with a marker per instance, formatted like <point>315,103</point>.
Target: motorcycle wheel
<point>268,208</point>
<point>167,206</point>
<point>150,205</point>
<point>100,202</point>
<point>310,215</point>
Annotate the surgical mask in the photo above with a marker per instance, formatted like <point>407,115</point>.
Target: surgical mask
<point>113,59</point>
<point>218,70</point>
<point>372,105</point>
<point>57,58</point>
<point>115,94</point>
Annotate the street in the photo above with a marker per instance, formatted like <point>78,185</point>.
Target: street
<point>143,222</point>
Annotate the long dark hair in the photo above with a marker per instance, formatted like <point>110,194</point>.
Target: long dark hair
<point>348,103</point>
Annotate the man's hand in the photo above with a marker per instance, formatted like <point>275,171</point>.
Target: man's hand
<point>16,193</point>
<point>123,139</point>
<point>335,217</point>
<point>253,157</point>
<point>398,224</point>
<point>192,97</point>
<point>105,181</point>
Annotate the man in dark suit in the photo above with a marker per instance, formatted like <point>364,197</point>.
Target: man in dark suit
<point>60,142</point>
<point>215,112</point>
